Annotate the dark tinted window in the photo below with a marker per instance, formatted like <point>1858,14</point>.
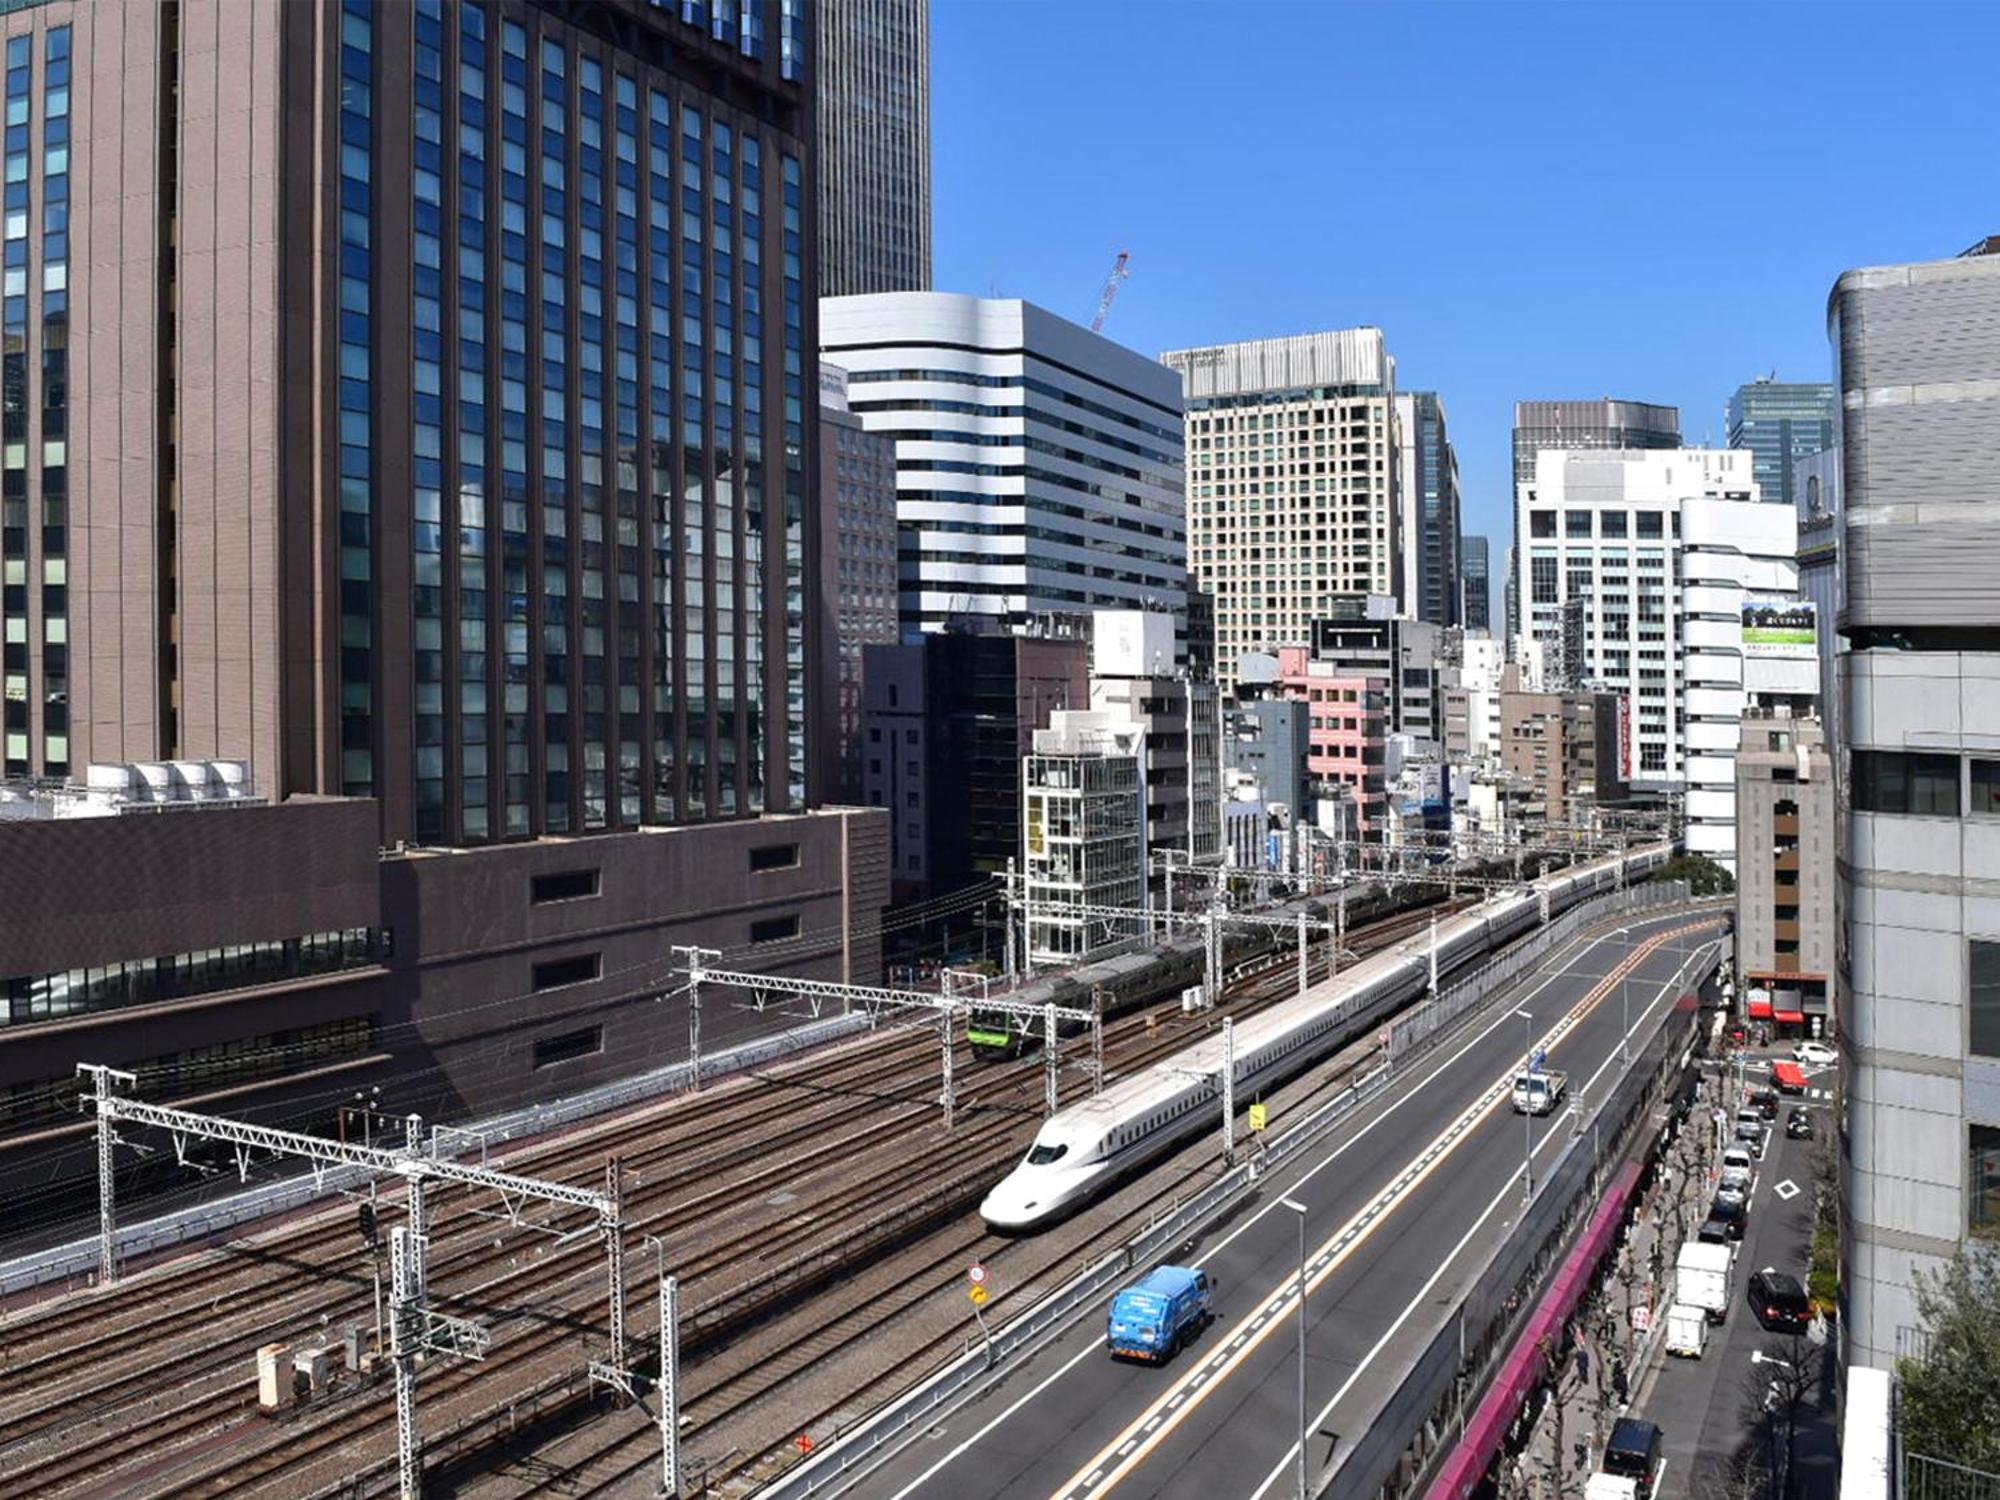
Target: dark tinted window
<point>775,857</point>
<point>1982,1175</point>
<point>550,1050</point>
<point>1542,523</point>
<point>1984,995</point>
<point>1893,781</point>
<point>562,885</point>
<point>772,929</point>
<point>1985,786</point>
<point>578,968</point>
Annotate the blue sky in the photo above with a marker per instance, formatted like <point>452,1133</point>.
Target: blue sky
<point>1571,200</point>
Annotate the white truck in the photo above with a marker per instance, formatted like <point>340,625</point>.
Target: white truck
<point>1701,1278</point>
<point>1687,1330</point>
<point>1539,1091</point>
<point>1610,1487</point>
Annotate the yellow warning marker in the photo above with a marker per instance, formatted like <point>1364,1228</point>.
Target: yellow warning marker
<point>978,1295</point>
<point>1259,1117</point>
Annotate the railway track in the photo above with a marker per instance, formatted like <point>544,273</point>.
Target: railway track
<point>92,1364</point>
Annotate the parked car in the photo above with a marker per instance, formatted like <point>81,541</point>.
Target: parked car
<point>1778,1301</point>
<point>1764,1102</point>
<point>1737,1192</point>
<point>1751,1129</point>
<point>1633,1452</point>
<point>1798,1126</point>
<point>1738,1157</point>
<point>1734,1214</point>
<point>1816,1054</point>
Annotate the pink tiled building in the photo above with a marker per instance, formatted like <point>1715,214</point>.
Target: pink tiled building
<point>1347,721</point>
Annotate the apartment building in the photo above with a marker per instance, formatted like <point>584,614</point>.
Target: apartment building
<point>1784,865</point>
<point>1347,731</point>
<point>1567,746</point>
<point>1083,834</point>
<point>1291,452</point>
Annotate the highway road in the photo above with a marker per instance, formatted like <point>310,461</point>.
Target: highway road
<point>1428,1170</point>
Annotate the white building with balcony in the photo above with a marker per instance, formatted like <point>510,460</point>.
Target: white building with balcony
<point>1083,834</point>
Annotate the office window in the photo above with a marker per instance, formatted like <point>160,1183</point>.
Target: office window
<point>1888,781</point>
<point>1576,523</point>
<point>775,857</point>
<point>550,1050</point>
<point>1985,786</point>
<point>1542,524</point>
<point>774,929</point>
<point>562,885</point>
<point>578,968</point>
<point>1649,523</point>
<point>1982,1177</point>
<point>1983,995</point>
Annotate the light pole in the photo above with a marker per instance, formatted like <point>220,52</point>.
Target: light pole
<point>1624,936</point>
<point>1527,1118</point>
<point>1300,1209</point>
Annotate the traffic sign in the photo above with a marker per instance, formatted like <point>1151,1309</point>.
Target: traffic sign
<point>1258,1117</point>
<point>1642,1318</point>
<point>978,1295</point>
<point>976,1274</point>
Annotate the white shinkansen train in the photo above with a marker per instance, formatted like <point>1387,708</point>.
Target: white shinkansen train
<point>1082,1151</point>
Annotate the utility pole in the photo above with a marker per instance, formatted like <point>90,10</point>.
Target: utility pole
<point>694,960</point>
<point>1212,943</point>
<point>1302,954</point>
<point>1434,956</point>
<point>1010,921</point>
<point>670,1372</point>
<point>105,1083</point>
<point>944,1034</point>
<point>614,1262</point>
<point>406,1273</point>
<point>1049,1086</point>
<point>1228,1092</point>
<point>1299,1209</point>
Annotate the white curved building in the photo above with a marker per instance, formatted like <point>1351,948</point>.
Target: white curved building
<point>1038,464</point>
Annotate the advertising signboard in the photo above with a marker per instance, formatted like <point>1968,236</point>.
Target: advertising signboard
<point>1780,628</point>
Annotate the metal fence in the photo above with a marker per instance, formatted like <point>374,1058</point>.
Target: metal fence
<point>1925,1478</point>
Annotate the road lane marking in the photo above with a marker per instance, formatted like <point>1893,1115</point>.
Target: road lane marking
<point>1418,1089</point>
<point>1285,1465</point>
<point>1222,1365</point>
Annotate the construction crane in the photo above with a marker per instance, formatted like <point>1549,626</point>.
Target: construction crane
<point>1118,274</point>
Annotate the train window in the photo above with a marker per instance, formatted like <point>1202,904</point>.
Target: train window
<point>1041,1156</point>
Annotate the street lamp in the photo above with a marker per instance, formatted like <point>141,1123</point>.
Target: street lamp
<point>1527,1118</point>
<point>1300,1209</point>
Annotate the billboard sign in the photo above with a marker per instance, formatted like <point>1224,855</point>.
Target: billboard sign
<point>1781,628</point>
<point>1624,738</point>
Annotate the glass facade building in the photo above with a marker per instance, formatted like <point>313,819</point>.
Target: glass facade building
<point>1428,561</point>
<point>1475,584</point>
<point>873,76</point>
<point>1781,424</point>
<point>466,353</point>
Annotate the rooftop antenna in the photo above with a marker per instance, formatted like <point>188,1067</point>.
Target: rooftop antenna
<point>1118,274</point>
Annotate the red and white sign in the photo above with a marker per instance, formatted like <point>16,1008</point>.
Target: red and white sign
<point>1624,739</point>
<point>1642,1318</point>
<point>976,1274</point>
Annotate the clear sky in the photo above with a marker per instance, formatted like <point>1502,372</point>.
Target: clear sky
<point>1532,201</point>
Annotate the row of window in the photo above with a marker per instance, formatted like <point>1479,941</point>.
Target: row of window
<point>199,1070</point>
<point>46,997</point>
<point>1923,783</point>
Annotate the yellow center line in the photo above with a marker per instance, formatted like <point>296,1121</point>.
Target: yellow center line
<point>1130,1447</point>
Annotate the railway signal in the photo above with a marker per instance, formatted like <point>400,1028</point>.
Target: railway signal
<point>370,1232</point>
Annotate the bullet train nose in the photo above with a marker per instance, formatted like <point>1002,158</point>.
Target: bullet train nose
<point>1012,1204</point>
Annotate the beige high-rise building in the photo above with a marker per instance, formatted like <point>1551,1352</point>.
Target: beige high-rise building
<point>1291,478</point>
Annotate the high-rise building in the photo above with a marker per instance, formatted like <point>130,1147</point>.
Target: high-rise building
<point>1475,584</point>
<point>1430,563</point>
<point>856,597</point>
<point>471,503</point>
<point>1780,423</point>
<point>1816,483</point>
<point>1639,567</point>
<point>1038,464</point>
<point>442,439</point>
<point>1362,634</point>
<point>1291,482</point>
<point>872,67</point>
<point>1347,729</point>
<point>1916,348</point>
<point>1566,745</point>
<point>1083,834</point>
<point>1575,426</point>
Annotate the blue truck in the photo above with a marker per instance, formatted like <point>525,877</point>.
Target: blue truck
<point>1153,1319</point>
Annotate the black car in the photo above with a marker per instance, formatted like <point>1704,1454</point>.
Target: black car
<point>1798,1126</point>
<point>1778,1301</point>
<point>1732,1213</point>
<point>1764,1102</point>
<point>1633,1452</point>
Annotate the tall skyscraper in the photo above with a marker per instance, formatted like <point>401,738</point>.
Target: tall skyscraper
<point>1038,463</point>
<point>856,598</point>
<point>1475,584</point>
<point>1918,991</point>
<point>1291,482</point>
<point>1428,510</point>
<point>1781,424</point>
<point>471,503</point>
<point>1577,425</point>
<point>873,73</point>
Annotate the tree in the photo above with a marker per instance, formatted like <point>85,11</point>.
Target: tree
<point>1948,1407</point>
<point>1703,875</point>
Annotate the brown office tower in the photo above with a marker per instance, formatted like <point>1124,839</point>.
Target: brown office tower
<point>411,401</point>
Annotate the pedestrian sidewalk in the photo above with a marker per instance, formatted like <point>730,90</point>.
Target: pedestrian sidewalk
<point>1616,1331</point>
